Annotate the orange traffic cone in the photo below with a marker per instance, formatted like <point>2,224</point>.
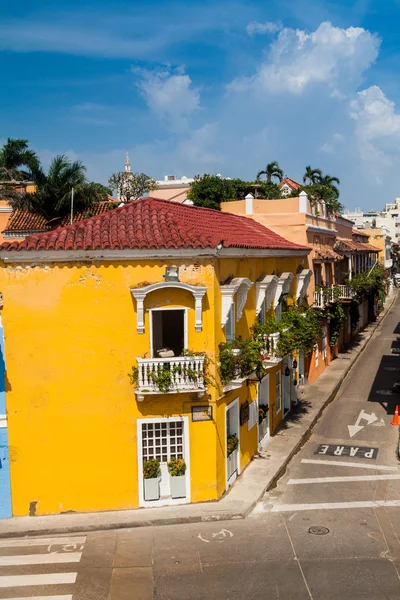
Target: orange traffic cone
<point>396,417</point>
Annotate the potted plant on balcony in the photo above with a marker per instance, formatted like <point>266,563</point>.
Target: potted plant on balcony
<point>151,474</point>
<point>177,470</point>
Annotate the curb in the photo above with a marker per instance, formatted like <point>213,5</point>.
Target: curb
<point>221,516</point>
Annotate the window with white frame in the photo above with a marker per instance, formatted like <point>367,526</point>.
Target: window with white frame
<point>252,415</point>
<point>278,388</point>
<point>316,354</point>
<point>278,311</point>
<point>324,342</point>
<point>261,314</point>
<point>230,324</point>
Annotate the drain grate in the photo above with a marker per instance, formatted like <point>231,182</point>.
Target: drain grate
<point>318,530</point>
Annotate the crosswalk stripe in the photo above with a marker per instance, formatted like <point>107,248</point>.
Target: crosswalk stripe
<point>40,559</point>
<point>342,463</point>
<point>9,581</point>
<point>334,505</point>
<point>64,597</point>
<point>16,543</point>
<point>342,479</point>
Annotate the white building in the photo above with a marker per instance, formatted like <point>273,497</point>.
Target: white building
<point>388,218</point>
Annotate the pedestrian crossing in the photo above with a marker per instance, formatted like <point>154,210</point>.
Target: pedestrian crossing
<point>39,568</point>
<point>325,492</point>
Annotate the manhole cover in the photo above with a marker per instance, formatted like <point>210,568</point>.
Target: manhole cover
<point>385,392</point>
<point>318,530</point>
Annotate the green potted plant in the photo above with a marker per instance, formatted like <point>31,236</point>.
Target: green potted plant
<point>177,470</point>
<point>151,474</point>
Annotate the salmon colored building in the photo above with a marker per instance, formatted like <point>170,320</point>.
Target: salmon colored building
<point>333,253</point>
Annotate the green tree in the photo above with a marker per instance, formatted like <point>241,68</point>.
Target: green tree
<point>270,171</point>
<point>312,176</point>
<point>331,183</point>
<point>131,186</point>
<point>53,194</point>
<point>210,190</point>
<point>17,160</point>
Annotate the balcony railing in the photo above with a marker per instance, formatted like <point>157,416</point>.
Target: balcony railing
<point>170,375</point>
<point>331,294</point>
<point>270,354</point>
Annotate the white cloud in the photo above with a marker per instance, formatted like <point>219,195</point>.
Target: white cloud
<point>330,56</point>
<point>170,96</point>
<point>254,27</point>
<point>377,125</point>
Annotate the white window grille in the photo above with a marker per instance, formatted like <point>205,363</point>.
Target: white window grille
<point>278,388</point>
<point>162,440</point>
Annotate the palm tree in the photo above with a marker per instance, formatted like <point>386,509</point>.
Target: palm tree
<point>14,155</point>
<point>270,171</point>
<point>52,197</point>
<point>312,176</point>
<point>329,182</point>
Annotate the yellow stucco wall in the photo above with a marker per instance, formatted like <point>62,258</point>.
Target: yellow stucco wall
<point>71,340</point>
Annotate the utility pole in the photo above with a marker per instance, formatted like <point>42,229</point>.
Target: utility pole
<point>72,204</point>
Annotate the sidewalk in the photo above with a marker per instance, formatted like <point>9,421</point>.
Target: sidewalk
<point>258,477</point>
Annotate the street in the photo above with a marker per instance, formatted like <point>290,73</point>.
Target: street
<point>329,530</point>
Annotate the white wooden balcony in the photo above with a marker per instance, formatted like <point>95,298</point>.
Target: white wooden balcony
<point>179,374</point>
<point>345,292</point>
<point>331,294</point>
<point>270,352</point>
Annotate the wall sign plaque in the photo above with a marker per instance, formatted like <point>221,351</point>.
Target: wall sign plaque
<point>244,413</point>
<point>202,413</point>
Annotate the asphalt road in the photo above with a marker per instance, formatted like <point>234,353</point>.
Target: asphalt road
<point>329,531</point>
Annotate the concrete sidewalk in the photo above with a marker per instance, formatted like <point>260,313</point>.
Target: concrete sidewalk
<point>260,475</point>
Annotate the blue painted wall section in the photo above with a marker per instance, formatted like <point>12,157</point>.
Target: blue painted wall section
<point>5,489</point>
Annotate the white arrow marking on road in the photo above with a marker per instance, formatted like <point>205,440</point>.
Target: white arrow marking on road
<point>380,423</point>
<point>371,418</point>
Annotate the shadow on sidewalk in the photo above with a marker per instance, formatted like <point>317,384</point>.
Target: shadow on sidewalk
<point>295,415</point>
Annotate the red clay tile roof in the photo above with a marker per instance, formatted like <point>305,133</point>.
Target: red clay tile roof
<point>22,222</point>
<point>326,254</point>
<point>347,245</point>
<point>152,223</point>
<point>291,183</point>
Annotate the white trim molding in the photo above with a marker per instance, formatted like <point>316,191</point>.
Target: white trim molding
<point>140,294</point>
<point>31,257</point>
<point>265,290</point>
<point>303,280</point>
<point>239,285</point>
<point>283,286</point>
<point>3,421</point>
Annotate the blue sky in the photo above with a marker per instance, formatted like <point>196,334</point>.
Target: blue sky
<point>218,87</point>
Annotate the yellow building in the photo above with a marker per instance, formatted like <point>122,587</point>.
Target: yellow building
<point>150,290</point>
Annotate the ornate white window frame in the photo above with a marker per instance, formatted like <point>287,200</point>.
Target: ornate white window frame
<point>239,285</point>
<point>265,290</point>
<point>303,280</point>
<point>140,294</point>
<point>283,286</point>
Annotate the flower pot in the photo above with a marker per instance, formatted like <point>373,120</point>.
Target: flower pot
<point>178,486</point>
<point>152,489</point>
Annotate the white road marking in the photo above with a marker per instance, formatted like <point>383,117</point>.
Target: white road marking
<point>334,505</point>
<point>341,479</point>
<point>40,559</point>
<point>342,463</point>
<point>16,543</point>
<point>9,581</point>
<point>64,597</point>
<point>371,418</point>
